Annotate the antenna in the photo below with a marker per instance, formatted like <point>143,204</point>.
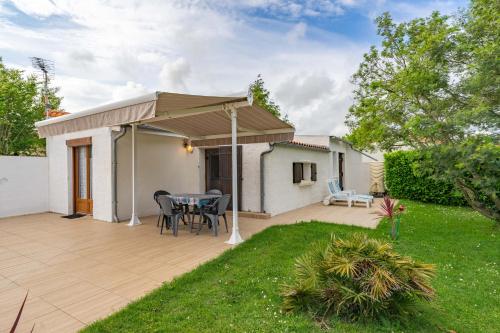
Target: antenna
<point>47,69</point>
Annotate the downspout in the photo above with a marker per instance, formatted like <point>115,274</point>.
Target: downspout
<point>262,177</point>
<point>114,170</point>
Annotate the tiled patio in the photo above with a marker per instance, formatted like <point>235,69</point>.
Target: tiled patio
<point>78,271</point>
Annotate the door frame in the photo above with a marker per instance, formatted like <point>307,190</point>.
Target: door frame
<point>75,144</point>
<point>217,151</point>
<point>341,170</point>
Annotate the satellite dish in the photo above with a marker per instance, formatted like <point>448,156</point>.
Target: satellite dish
<point>250,96</point>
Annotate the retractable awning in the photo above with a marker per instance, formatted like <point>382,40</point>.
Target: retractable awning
<point>205,119</point>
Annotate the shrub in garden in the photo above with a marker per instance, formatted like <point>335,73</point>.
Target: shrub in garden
<point>404,180</point>
<point>356,278</point>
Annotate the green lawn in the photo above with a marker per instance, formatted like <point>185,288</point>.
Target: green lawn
<point>239,291</point>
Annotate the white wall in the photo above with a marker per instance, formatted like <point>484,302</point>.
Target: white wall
<point>281,194</point>
<point>357,172</point>
<point>24,185</point>
<point>356,167</point>
<point>250,184</point>
<point>61,178</point>
<point>162,164</point>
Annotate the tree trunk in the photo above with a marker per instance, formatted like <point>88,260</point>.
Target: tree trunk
<point>471,196</point>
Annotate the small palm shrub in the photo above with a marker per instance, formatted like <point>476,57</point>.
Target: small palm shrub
<point>356,278</point>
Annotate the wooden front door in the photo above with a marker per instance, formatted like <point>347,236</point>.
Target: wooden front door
<point>218,170</point>
<point>82,179</point>
<point>341,171</point>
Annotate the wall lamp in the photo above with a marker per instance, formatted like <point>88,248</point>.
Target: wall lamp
<point>187,146</point>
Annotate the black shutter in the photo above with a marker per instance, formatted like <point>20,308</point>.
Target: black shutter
<point>314,172</point>
<point>298,174</point>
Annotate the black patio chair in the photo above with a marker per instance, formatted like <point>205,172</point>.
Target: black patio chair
<point>171,215</point>
<point>214,191</point>
<point>155,197</point>
<point>196,210</point>
<point>216,210</point>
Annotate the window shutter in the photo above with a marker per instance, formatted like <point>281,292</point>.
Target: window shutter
<point>297,173</point>
<point>314,176</point>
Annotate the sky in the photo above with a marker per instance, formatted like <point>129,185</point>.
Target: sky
<point>111,50</point>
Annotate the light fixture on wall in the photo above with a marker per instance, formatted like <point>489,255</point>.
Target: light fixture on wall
<point>187,146</point>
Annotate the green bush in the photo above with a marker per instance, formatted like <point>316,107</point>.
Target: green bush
<point>403,181</point>
<point>356,278</point>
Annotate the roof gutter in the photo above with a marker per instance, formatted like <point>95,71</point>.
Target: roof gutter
<point>114,170</point>
<point>262,177</point>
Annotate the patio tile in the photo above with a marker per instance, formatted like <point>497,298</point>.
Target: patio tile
<point>12,296</point>
<point>77,292</point>
<point>165,273</point>
<point>56,321</point>
<point>95,307</point>
<point>135,288</point>
<point>29,266</point>
<point>34,308</point>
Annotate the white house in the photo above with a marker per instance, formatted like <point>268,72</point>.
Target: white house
<point>181,143</point>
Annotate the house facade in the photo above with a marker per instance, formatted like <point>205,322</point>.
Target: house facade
<point>108,161</point>
<point>267,183</point>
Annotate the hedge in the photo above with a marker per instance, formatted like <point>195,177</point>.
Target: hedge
<point>402,182</point>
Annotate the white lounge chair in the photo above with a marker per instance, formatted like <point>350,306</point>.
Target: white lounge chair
<point>336,194</point>
<point>365,198</point>
<point>350,196</point>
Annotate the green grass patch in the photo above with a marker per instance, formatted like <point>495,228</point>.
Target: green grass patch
<point>239,290</point>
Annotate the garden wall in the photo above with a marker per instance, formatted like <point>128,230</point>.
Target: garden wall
<point>403,182</point>
<point>24,185</point>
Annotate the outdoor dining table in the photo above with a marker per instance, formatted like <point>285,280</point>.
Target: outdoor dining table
<point>193,199</point>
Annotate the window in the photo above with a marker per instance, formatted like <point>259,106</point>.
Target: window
<point>298,172</point>
<point>314,173</point>
<point>304,173</point>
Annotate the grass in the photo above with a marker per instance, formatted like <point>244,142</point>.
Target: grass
<point>239,291</point>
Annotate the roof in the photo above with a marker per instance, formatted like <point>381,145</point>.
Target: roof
<point>204,119</point>
<point>57,113</point>
<point>305,145</point>
<point>352,146</point>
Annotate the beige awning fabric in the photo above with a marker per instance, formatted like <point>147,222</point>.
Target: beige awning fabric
<point>204,119</point>
<point>119,116</point>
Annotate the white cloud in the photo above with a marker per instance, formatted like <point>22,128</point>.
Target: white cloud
<point>173,75</point>
<point>301,90</point>
<point>40,8</point>
<point>298,31</point>
<point>121,48</point>
<point>129,90</point>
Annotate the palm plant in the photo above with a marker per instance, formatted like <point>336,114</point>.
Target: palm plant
<point>356,278</point>
<point>388,210</point>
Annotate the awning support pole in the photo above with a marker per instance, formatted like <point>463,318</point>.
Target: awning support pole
<point>235,232</point>
<point>134,220</point>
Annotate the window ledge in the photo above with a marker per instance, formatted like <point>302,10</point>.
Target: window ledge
<point>306,183</point>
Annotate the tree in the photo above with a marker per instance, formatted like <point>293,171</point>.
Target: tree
<point>262,97</point>
<point>21,105</point>
<point>434,86</point>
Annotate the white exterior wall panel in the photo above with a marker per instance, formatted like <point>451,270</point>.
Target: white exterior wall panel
<point>281,194</point>
<point>24,185</point>
<point>250,184</point>
<point>162,164</point>
<point>61,172</point>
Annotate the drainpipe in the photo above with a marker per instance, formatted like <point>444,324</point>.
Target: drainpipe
<point>262,179</point>
<point>114,176</point>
